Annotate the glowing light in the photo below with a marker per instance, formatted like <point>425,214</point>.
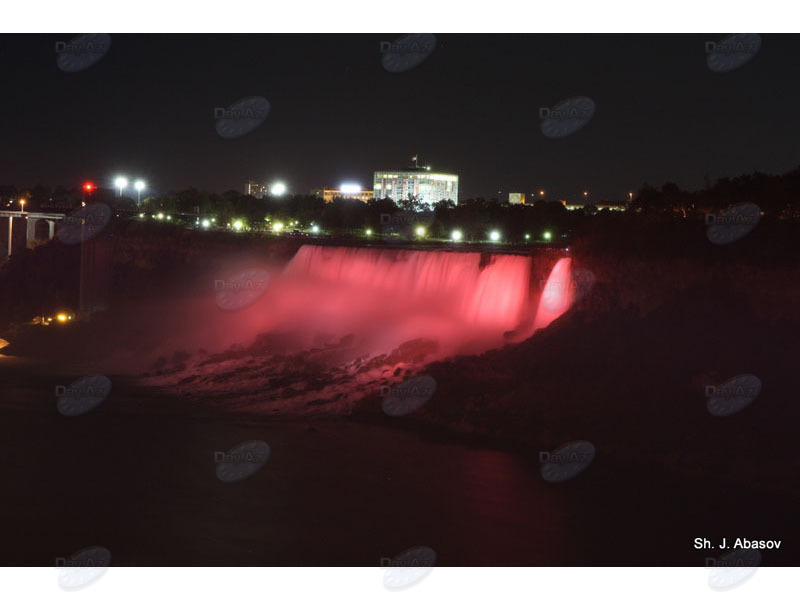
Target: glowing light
<point>277,226</point>
<point>121,183</point>
<point>494,235</point>
<point>456,236</point>
<point>169,217</point>
<point>160,216</point>
<point>139,185</point>
<point>527,236</point>
<point>141,215</point>
<point>350,188</point>
<point>213,219</point>
<point>206,223</point>
<point>278,189</point>
<point>238,225</point>
<point>88,187</point>
<point>61,317</point>
<point>420,231</point>
<point>368,232</point>
<point>547,235</point>
<point>315,229</point>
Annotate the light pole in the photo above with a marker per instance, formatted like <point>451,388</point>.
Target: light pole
<point>121,183</point>
<point>139,185</point>
<point>11,225</point>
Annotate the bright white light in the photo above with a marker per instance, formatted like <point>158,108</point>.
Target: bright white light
<point>527,236</point>
<point>315,229</point>
<point>278,189</point>
<point>121,183</point>
<point>420,231</point>
<point>160,216</point>
<point>368,232</point>
<point>494,235</point>
<point>206,223</point>
<point>141,214</point>
<point>547,235</point>
<point>277,226</point>
<point>238,225</point>
<point>350,188</point>
<point>456,235</point>
<point>139,185</point>
<point>169,217</point>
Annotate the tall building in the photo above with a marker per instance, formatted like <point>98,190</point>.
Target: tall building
<point>253,188</point>
<point>417,181</point>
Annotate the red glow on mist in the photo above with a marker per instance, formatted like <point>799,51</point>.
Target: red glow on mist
<point>557,294</point>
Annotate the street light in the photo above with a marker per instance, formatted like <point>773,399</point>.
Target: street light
<point>494,235</point>
<point>22,205</point>
<point>278,189</point>
<point>139,185</point>
<point>121,183</point>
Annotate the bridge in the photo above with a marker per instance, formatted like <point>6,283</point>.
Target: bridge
<point>31,218</point>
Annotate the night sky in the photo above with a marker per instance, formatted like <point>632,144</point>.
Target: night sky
<point>147,110</point>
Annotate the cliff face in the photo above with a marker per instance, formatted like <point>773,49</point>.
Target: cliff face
<point>627,368</point>
<point>146,256</point>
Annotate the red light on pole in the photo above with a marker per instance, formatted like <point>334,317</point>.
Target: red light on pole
<point>88,187</point>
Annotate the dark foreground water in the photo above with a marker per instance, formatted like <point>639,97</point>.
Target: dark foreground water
<point>137,476</point>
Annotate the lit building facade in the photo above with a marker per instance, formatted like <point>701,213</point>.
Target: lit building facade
<point>612,205</point>
<point>253,188</point>
<point>419,182</point>
<point>344,192</point>
<point>516,198</point>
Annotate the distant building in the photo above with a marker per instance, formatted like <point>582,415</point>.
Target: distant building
<point>253,188</point>
<point>612,205</point>
<point>345,192</point>
<point>516,198</point>
<point>603,204</point>
<point>416,181</point>
<point>573,204</point>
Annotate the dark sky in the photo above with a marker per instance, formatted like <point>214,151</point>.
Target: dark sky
<point>146,109</point>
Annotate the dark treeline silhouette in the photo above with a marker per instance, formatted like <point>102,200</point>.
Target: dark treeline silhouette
<point>778,196</point>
